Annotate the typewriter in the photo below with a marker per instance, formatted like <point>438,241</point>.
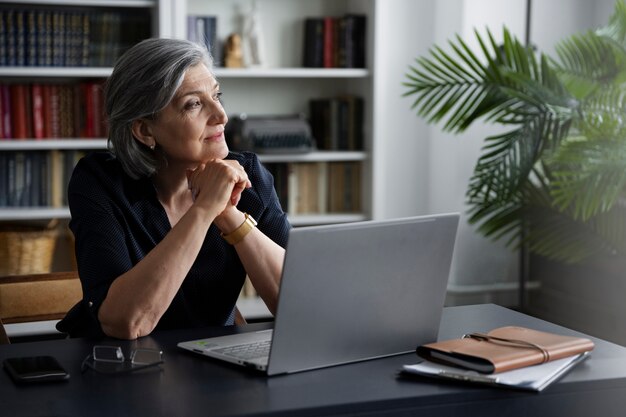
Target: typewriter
<point>269,134</point>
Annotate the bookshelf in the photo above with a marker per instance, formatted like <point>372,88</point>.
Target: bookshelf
<point>246,89</point>
<point>59,47</point>
<point>280,86</point>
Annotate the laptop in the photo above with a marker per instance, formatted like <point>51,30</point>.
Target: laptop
<point>350,292</point>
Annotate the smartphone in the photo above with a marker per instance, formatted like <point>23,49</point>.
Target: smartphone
<point>35,369</point>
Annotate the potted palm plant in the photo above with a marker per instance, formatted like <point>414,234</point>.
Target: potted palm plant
<point>557,175</point>
<point>554,183</point>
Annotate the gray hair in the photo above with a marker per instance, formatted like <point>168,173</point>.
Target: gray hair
<point>143,82</point>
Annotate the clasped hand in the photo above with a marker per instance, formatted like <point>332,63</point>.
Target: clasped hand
<point>218,184</point>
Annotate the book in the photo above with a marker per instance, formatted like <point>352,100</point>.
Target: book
<point>313,42</point>
<point>5,113</point>
<point>531,378</point>
<point>19,110</point>
<point>203,30</point>
<point>3,38</point>
<point>329,42</point>
<point>38,111</point>
<point>504,349</point>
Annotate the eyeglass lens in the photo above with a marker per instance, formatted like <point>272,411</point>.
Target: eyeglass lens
<point>108,354</point>
<point>145,356</point>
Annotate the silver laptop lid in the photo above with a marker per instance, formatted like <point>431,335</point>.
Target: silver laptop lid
<point>361,290</point>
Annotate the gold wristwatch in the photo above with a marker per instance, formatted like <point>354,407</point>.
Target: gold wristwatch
<point>239,233</point>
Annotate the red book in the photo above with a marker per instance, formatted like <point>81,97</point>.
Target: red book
<point>55,111</point>
<point>47,111</point>
<point>19,120</point>
<point>37,111</point>
<point>329,41</point>
<point>96,98</point>
<point>91,110</point>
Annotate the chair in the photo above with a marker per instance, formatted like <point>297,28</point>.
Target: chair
<point>37,297</point>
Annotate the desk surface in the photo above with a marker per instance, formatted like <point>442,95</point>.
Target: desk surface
<point>190,385</point>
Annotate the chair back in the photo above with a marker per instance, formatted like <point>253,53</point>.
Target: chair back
<point>37,297</point>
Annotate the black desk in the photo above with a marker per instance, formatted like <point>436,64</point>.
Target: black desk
<point>191,385</point>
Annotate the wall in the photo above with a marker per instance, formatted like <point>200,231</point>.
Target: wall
<point>405,30</point>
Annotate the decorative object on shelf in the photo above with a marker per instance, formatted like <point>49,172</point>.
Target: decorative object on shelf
<point>233,54</point>
<point>27,249</point>
<point>269,134</point>
<point>556,180</point>
<point>254,54</point>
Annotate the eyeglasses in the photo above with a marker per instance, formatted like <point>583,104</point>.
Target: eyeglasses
<point>111,360</point>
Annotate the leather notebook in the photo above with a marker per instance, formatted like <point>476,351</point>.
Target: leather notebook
<point>504,349</point>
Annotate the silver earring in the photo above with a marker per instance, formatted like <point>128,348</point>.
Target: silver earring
<point>151,147</point>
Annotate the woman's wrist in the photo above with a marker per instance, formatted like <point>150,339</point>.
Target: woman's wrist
<point>229,220</point>
<point>241,231</point>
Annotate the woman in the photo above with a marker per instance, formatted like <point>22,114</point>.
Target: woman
<point>164,222</point>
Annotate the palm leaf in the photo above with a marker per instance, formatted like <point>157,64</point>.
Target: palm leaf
<point>591,178</point>
<point>559,171</point>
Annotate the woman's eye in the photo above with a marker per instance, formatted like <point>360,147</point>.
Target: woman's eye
<point>192,105</point>
<point>218,96</point>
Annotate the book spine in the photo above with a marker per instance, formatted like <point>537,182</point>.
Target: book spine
<point>85,39</point>
<point>11,37</point>
<point>38,111</point>
<point>329,42</point>
<point>5,96</point>
<point>10,178</point>
<point>48,39</point>
<point>313,42</point>
<point>56,178</point>
<point>212,43</point>
<point>4,165</point>
<point>3,38</point>
<point>47,116</point>
<point>18,111</point>
<point>31,38</point>
<point>20,37</point>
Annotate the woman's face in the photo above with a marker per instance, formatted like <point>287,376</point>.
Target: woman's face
<point>190,130</point>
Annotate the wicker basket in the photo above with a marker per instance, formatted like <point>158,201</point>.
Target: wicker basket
<point>26,250</point>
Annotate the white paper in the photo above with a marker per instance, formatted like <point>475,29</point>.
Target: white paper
<point>534,378</point>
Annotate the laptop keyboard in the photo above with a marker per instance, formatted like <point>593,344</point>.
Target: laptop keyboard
<point>248,350</point>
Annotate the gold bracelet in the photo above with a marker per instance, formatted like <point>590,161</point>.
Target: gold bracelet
<point>239,233</point>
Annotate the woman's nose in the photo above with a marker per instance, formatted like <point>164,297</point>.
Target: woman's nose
<point>217,113</point>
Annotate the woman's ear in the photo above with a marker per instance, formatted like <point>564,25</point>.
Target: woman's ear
<point>143,133</point>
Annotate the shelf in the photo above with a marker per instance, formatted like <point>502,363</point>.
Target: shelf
<point>43,213</point>
<point>89,3</point>
<point>47,144</point>
<point>33,213</point>
<point>291,73</point>
<point>317,156</point>
<point>55,72</point>
<point>103,72</point>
